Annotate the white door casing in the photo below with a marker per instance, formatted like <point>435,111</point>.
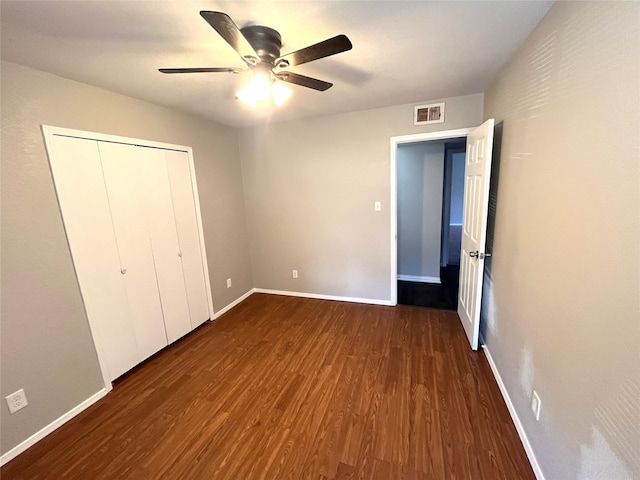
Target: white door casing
<point>393,194</point>
<point>474,227</point>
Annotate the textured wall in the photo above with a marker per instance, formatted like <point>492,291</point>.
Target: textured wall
<point>420,170</point>
<point>564,307</point>
<point>46,344</point>
<point>310,188</point>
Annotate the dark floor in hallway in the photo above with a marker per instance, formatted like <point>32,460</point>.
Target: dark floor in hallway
<point>432,295</point>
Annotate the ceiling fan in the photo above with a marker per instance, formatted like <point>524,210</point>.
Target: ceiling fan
<point>259,47</point>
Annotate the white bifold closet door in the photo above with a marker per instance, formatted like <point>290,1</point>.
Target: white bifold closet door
<point>185,209</point>
<point>85,207</point>
<point>144,222</point>
<point>131,218</point>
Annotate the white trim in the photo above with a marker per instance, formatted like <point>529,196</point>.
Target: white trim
<point>39,435</point>
<point>49,130</point>
<point>393,214</point>
<point>370,301</point>
<point>233,304</point>
<point>514,416</point>
<point>418,278</point>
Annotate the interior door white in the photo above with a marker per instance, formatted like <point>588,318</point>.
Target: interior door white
<point>474,227</point>
<point>125,177</point>
<point>179,169</point>
<point>85,209</point>
<point>164,241</point>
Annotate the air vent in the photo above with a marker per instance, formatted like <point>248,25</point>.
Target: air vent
<point>425,114</point>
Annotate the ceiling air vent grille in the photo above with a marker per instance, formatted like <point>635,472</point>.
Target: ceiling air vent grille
<point>425,114</point>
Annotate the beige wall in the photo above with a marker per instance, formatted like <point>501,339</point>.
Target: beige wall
<point>420,171</point>
<point>565,300</point>
<point>46,344</point>
<point>310,188</point>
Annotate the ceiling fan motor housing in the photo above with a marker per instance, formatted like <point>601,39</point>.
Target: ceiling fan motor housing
<point>265,41</point>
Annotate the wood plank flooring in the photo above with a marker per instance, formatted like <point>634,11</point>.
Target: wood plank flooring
<point>295,388</point>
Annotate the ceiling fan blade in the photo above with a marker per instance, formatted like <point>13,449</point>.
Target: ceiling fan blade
<point>222,23</point>
<point>303,81</point>
<point>199,70</point>
<point>331,46</point>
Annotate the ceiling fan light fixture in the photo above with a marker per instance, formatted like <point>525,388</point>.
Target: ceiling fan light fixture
<point>279,92</point>
<point>261,87</point>
<point>257,90</point>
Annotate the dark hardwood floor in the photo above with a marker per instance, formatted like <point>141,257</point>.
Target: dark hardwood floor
<point>442,295</point>
<point>293,388</point>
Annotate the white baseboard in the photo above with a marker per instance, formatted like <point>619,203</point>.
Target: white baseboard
<point>370,301</point>
<point>233,304</point>
<point>514,416</point>
<point>39,435</point>
<point>418,278</point>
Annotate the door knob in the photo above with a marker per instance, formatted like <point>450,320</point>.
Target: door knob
<point>179,254</point>
<point>479,255</point>
<point>123,271</point>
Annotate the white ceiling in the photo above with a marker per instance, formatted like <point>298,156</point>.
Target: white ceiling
<point>403,51</point>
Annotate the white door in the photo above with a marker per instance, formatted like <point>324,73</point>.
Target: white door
<point>474,227</point>
<point>125,177</point>
<point>84,204</point>
<point>165,249</point>
<point>184,205</point>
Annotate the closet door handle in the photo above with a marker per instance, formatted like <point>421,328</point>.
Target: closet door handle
<point>179,254</point>
<point>123,271</point>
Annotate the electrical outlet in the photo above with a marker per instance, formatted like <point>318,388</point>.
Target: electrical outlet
<point>535,405</point>
<point>294,273</point>
<point>228,283</point>
<point>16,401</point>
<point>378,206</point>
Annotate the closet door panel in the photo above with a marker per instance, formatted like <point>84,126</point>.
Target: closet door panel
<point>124,176</point>
<point>164,241</point>
<point>85,208</point>
<point>193,264</point>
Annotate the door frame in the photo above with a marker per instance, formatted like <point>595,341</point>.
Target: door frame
<point>393,194</point>
<point>49,132</point>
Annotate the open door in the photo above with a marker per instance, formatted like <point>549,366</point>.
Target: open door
<point>474,227</point>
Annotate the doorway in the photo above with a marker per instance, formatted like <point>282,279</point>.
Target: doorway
<point>420,284</point>
<point>430,186</point>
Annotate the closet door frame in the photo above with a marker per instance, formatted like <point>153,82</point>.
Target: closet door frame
<point>49,133</point>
